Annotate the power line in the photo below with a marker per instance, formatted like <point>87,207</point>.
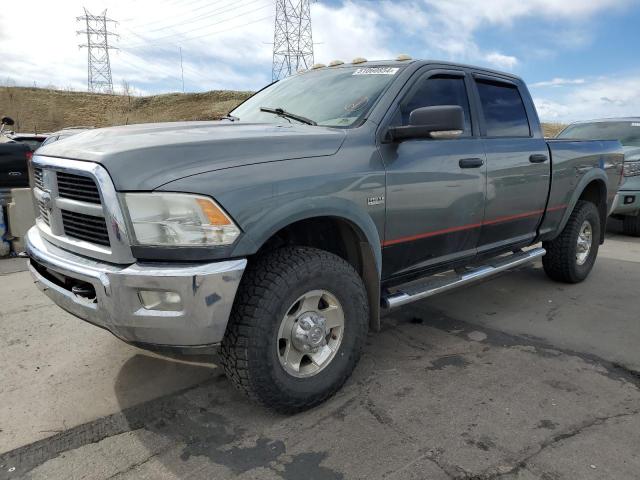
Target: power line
<point>292,38</point>
<point>181,36</point>
<point>165,3</point>
<point>203,16</point>
<point>98,65</point>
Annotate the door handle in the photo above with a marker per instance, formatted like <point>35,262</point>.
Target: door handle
<point>538,158</point>
<point>471,162</point>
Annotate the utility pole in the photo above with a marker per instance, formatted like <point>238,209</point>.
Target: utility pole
<point>98,65</point>
<point>181,69</point>
<point>293,39</point>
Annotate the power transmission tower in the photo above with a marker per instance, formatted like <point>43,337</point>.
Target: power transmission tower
<point>98,65</point>
<point>292,40</point>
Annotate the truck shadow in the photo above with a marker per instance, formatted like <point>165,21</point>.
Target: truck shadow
<point>146,376</point>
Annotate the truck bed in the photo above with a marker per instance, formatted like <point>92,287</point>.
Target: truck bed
<point>574,164</point>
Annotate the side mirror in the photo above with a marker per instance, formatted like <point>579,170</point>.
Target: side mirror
<point>443,121</point>
<point>7,121</point>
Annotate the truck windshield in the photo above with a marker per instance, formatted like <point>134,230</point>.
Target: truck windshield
<point>332,97</point>
<point>627,132</point>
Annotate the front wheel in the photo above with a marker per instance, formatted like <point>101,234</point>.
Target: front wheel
<point>571,256</point>
<point>297,328</point>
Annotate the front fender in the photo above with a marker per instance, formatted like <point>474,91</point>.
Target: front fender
<point>263,199</point>
<point>306,208</point>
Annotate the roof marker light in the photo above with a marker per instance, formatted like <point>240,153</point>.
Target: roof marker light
<point>358,60</point>
<point>317,66</point>
<point>335,63</point>
<point>403,57</point>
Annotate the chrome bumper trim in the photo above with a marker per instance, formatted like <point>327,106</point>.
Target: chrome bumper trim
<point>207,291</point>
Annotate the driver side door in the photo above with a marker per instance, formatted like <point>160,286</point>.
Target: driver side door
<point>436,188</point>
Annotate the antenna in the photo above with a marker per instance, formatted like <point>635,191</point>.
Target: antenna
<point>98,65</point>
<point>181,69</point>
<point>292,40</point>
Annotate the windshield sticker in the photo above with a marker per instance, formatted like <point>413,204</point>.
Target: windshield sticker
<point>635,124</point>
<point>376,71</point>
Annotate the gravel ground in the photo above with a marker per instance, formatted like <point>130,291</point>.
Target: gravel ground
<point>514,378</point>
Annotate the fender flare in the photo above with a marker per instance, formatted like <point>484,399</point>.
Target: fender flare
<point>369,242</point>
<point>304,209</point>
<point>595,174</point>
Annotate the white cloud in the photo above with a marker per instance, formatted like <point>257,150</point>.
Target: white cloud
<point>558,82</point>
<point>603,97</point>
<point>226,44</point>
<point>506,62</point>
<point>455,23</point>
<point>226,47</point>
<point>349,31</point>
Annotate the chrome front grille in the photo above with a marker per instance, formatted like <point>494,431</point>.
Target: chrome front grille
<point>85,227</point>
<point>77,187</point>
<point>44,213</point>
<point>78,209</point>
<point>37,177</point>
<point>38,181</point>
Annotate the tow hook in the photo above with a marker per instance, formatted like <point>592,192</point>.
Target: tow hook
<point>85,292</point>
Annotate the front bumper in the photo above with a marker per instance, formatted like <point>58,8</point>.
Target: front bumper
<point>207,291</point>
<point>627,203</point>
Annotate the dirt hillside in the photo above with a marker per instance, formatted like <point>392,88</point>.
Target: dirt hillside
<point>44,110</point>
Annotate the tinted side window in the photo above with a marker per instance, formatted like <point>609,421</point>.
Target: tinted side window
<point>436,91</point>
<point>503,108</point>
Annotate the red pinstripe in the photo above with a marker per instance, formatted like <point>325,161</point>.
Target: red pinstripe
<point>471,226</point>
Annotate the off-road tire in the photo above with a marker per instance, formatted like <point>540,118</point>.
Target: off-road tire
<point>560,263</point>
<point>631,225</point>
<point>271,283</point>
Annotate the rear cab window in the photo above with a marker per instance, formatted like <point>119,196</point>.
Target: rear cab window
<point>503,109</point>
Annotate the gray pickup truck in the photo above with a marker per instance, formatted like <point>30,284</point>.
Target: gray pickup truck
<point>282,232</point>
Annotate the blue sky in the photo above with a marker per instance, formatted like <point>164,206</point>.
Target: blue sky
<point>578,56</point>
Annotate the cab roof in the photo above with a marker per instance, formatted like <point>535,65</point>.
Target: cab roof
<point>418,63</point>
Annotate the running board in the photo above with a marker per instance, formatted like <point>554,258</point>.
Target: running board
<point>419,290</point>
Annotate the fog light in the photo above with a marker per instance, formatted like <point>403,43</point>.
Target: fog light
<point>160,300</point>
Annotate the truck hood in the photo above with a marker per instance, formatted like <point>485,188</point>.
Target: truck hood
<point>144,157</point>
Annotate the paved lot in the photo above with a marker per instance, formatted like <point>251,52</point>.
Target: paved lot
<point>515,378</point>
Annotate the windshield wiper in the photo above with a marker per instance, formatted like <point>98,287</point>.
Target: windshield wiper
<point>283,113</point>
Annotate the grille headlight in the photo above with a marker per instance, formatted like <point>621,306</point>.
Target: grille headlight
<point>178,219</point>
<point>631,169</point>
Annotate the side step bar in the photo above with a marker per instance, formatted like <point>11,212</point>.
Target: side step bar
<point>419,290</point>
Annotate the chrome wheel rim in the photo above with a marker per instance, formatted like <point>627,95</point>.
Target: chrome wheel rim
<point>585,239</point>
<point>310,333</point>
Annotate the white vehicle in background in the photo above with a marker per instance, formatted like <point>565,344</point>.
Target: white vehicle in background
<point>627,130</point>
<point>65,133</point>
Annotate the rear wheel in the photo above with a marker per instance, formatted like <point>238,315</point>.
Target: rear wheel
<point>631,225</point>
<point>297,328</point>
<point>571,256</point>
